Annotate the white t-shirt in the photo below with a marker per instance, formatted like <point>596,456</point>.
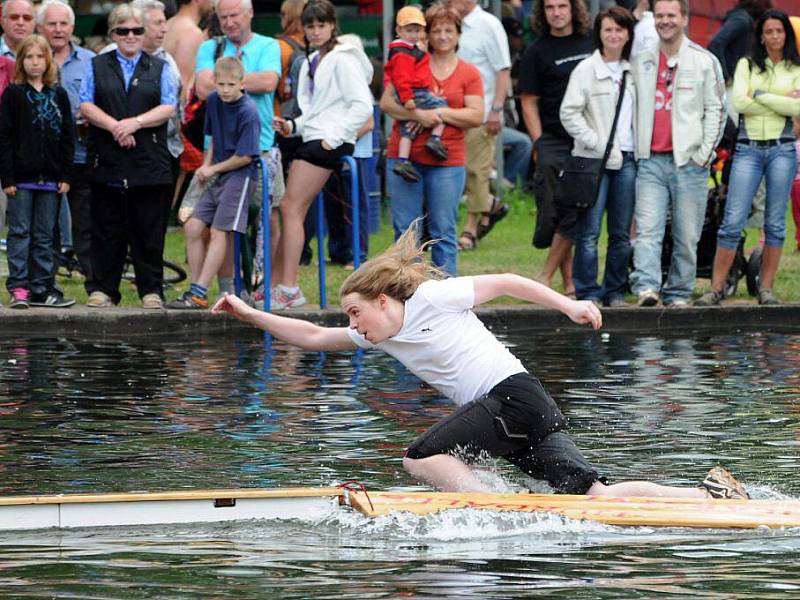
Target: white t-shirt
<point>624,134</point>
<point>484,43</point>
<point>443,343</point>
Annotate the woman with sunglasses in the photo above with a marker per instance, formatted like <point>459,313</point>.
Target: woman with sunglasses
<point>128,96</point>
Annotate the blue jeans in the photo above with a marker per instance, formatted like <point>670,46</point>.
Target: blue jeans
<point>662,188</point>
<point>436,195</point>
<point>615,196</point>
<point>518,159</point>
<point>750,164</point>
<point>31,224</point>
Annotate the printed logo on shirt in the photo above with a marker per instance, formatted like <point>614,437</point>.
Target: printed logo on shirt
<point>426,329</point>
<point>664,89</point>
<point>573,58</point>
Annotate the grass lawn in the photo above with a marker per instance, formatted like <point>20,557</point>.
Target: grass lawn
<point>507,248</point>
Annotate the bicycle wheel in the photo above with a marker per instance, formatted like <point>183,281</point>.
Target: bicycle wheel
<point>172,273</point>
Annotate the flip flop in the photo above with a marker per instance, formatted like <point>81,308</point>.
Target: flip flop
<point>497,213</point>
<point>471,241</point>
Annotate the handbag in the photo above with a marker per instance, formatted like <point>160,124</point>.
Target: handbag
<point>579,178</point>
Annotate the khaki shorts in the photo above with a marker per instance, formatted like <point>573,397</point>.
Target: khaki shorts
<point>277,187</point>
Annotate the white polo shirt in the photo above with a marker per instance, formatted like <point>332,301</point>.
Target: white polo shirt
<point>484,43</point>
<point>443,343</point>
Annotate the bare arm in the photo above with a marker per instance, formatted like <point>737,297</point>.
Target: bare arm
<point>464,118</point>
<point>204,83</point>
<point>530,114</point>
<point>185,55</point>
<point>261,82</point>
<point>368,126</point>
<point>97,116</point>
<point>489,287</point>
<point>293,331</point>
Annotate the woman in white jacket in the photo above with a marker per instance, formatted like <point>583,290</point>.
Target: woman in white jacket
<point>587,113</point>
<point>335,102</point>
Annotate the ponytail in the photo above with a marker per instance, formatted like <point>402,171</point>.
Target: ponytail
<point>397,272</point>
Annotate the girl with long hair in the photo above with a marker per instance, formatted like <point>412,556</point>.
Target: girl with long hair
<point>37,140</point>
<point>765,95</point>
<point>399,304</point>
<point>335,101</point>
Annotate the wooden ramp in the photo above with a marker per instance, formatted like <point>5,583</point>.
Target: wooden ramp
<point>209,506</point>
<point>665,512</point>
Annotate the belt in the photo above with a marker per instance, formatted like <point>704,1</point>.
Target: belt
<point>766,143</point>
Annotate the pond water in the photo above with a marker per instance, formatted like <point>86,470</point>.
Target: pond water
<point>89,416</point>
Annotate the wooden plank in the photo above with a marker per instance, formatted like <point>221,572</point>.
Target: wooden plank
<point>673,512</point>
<point>172,495</point>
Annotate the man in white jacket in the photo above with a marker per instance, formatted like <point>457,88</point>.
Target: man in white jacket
<point>680,117</point>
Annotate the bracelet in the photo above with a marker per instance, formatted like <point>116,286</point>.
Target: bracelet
<point>497,108</point>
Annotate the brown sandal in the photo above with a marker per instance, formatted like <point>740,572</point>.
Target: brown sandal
<point>497,213</point>
<point>470,243</point>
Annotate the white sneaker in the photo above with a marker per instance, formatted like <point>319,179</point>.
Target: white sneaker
<point>647,298</point>
<point>282,298</point>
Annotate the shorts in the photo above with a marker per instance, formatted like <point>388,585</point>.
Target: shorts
<point>519,422</point>
<point>277,187</point>
<point>550,218</point>
<point>313,152</point>
<point>424,99</point>
<point>226,201</point>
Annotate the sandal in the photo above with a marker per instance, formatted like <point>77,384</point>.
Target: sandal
<point>497,213</point>
<point>470,243</point>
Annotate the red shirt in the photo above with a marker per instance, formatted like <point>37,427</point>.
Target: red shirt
<point>407,68</point>
<point>662,124</point>
<point>7,65</point>
<point>464,81</point>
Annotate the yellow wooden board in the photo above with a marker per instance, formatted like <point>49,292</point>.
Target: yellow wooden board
<point>672,512</point>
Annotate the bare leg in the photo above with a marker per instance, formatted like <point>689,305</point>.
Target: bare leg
<point>404,147</point>
<point>305,182</point>
<point>566,271</point>
<point>195,231</point>
<point>560,251</point>
<point>226,268</point>
<point>215,256</point>
<point>438,130</point>
<point>645,488</point>
<point>445,472</point>
<point>723,259</point>
<point>769,265</point>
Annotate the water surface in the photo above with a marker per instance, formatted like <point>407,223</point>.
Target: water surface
<point>87,416</point>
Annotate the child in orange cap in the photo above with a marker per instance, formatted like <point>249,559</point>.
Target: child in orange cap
<point>408,70</point>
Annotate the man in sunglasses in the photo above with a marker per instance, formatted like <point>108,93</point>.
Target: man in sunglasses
<point>18,23</point>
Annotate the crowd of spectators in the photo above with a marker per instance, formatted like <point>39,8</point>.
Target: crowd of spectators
<point>118,154</point>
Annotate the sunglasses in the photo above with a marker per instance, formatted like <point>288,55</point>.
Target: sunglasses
<point>126,31</point>
<point>26,18</point>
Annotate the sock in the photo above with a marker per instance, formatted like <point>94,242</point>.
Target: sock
<point>198,290</point>
<point>225,284</point>
<point>401,159</point>
<point>436,137</point>
<point>290,290</point>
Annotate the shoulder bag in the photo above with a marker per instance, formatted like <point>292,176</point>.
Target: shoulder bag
<point>579,179</point>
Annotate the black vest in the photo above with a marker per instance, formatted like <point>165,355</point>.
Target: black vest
<point>148,163</point>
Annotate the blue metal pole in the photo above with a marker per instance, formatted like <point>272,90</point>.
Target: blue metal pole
<point>266,245</point>
<point>323,293</point>
<point>354,199</point>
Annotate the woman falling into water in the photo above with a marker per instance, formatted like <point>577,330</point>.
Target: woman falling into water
<point>398,303</point>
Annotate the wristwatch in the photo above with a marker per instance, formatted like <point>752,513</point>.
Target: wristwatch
<point>497,108</point>
<point>139,121</point>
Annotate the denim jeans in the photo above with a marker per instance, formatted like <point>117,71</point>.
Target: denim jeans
<point>518,159</point>
<point>750,164</point>
<point>662,188</point>
<point>616,197</point>
<point>31,225</point>
<point>436,195</point>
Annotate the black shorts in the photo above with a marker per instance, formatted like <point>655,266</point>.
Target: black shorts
<point>518,421</point>
<point>314,153</point>
<point>551,218</point>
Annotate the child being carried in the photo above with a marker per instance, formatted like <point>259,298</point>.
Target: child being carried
<point>408,70</point>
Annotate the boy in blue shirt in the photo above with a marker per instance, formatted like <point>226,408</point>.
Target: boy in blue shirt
<point>229,170</point>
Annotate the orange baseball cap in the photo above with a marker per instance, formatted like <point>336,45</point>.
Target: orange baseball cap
<point>410,15</point>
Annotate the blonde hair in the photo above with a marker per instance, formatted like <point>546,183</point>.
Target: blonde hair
<point>397,272</point>
<point>229,65</point>
<point>123,12</point>
<point>50,75</point>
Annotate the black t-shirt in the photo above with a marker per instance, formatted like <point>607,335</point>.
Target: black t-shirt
<point>544,71</point>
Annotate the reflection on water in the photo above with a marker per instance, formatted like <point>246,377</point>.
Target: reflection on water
<point>84,416</point>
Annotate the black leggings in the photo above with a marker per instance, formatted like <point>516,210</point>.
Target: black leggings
<point>518,421</point>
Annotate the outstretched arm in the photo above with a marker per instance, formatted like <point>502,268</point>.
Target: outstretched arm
<point>294,331</point>
<point>489,287</point>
